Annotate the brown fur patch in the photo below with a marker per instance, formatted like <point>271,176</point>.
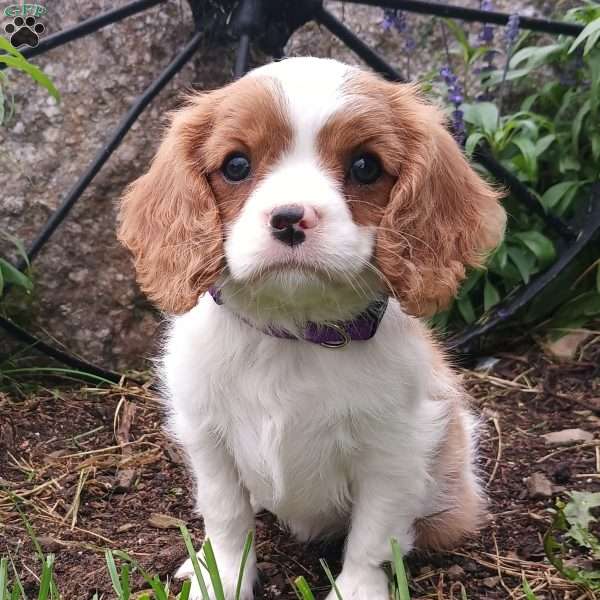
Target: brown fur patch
<point>467,511</point>
<point>433,213</point>
<point>171,218</point>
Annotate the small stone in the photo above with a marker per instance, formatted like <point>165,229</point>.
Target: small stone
<point>455,572</point>
<point>19,128</point>
<point>567,436</point>
<point>161,521</point>
<point>491,582</point>
<point>565,348</point>
<point>562,473</point>
<point>539,486</point>
<point>125,527</point>
<point>48,544</point>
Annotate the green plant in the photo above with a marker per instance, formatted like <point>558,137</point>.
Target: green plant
<point>548,134</point>
<point>13,60</point>
<point>8,273</point>
<point>570,535</point>
<point>120,576</point>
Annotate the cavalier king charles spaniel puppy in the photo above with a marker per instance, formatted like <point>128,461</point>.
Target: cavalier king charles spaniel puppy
<point>297,223</point>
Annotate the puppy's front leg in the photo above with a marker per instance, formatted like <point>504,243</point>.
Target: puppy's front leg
<point>380,512</point>
<point>224,503</point>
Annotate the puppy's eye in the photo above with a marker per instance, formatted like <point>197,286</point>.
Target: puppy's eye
<point>365,169</point>
<point>236,167</point>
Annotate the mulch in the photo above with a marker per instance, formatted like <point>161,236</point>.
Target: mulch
<point>91,469</point>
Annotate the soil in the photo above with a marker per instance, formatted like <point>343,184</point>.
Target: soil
<point>90,467</point>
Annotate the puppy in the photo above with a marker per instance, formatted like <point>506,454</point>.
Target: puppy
<point>298,222</point>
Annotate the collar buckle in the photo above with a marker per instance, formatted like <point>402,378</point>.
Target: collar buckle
<point>342,343</point>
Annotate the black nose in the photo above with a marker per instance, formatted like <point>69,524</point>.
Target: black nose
<point>283,224</point>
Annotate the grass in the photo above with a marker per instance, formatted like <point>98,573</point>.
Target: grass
<point>121,576</point>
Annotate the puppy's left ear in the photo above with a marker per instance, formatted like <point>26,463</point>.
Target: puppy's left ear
<point>441,215</point>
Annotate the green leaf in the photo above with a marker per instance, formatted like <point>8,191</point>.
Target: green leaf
<point>185,534</point>
<point>329,575</point>
<point>598,278</point>
<point>483,115</point>
<point>399,571</point>
<point>14,276</point>
<point>578,508</point>
<point>528,152</point>
<point>114,574</point>
<point>465,308</point>
<point>472,142</point>
<point>553,195</point>
<point>213,570</point>
<point>577,124</point>
<point>185,590</point>
<point>541,246</point>
<point>590,32</point>
<point>534,56</point>
<point>8,47</point>
<point>245,553</point>
<point>595,140</point>
<point>529,595</point>
<point>544,143</point>
<point>491,296</point>
<point>46,578</point>
<point>34,72</point>
<point>303,588</point>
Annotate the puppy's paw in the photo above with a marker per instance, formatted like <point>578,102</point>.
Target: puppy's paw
<point>229,577</point>
<point>364,583</point>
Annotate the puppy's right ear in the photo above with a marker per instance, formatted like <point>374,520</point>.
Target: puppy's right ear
<point>169,219</point>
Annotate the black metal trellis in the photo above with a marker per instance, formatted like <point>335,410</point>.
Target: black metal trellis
<point>269,24</point>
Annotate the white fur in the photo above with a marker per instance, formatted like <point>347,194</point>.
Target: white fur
<point>330,441</point>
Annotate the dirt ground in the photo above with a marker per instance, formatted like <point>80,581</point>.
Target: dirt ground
<point>92,469</point>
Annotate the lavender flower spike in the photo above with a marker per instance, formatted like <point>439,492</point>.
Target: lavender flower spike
<point>511,32</point>
<point>456,98</point>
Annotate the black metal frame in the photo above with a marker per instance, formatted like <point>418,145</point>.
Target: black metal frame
<point>269,24</point>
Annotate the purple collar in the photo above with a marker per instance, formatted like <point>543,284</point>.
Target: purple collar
<point>331,335</point>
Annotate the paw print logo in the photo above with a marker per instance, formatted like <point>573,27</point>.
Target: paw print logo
<point>24,32</point>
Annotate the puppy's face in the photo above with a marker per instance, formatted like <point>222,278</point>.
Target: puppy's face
<point>309,171</point>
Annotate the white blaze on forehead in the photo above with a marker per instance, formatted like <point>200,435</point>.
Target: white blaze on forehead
<point>313,90</point>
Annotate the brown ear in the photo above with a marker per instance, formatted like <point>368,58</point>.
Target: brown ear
<point>441,215</point>
<point>169,218</point>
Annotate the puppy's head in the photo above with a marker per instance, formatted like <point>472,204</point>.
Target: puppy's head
<point>310,171</point>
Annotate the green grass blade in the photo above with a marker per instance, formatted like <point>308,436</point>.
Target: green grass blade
<point>18,593</point>
<point>245,553</point>
<point>4,579</point>
<point>75,372</point>
<point>185,590</point>
<point>399,570</point>
<point>125,582</point>
<point>192,553</point>
<point>46,578</point>
<point>528,591</point>
<point>158,588</point>
<point>213,570</point>
<point>303,588</point>
<point>330,577</point>
<point>114,575</point>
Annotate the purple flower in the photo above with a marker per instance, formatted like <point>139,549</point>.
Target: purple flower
<point>486,35</point>
<point>456,98</point>
<point>511,33</point>
<point>397,19</point>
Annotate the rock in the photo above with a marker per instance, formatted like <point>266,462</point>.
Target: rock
<point>161,521</point>
<point>455,572</point>
<point>565,348</point>
<point>562,473</point>
<point>125,527</point>
<point>491,582</point>
<point>539,486</point>
<point>48,544</point>
<point>567,436</point>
